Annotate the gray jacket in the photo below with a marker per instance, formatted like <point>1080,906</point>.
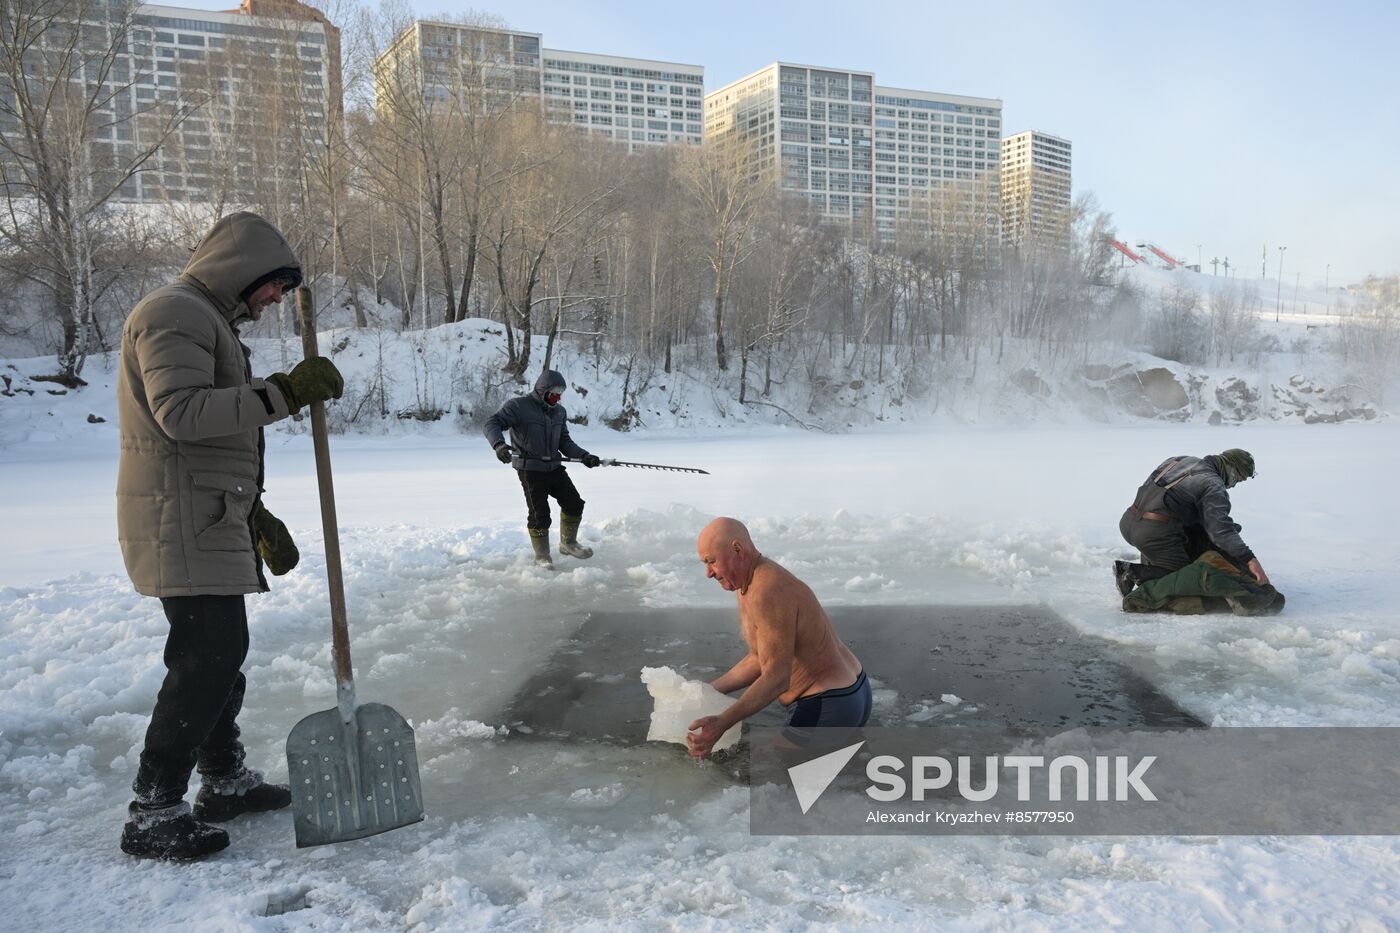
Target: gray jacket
<point>1198,496</point>
<point>191,417</point>
<point>539,432</point>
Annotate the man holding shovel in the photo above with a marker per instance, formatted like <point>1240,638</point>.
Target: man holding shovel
<point>193,529</point>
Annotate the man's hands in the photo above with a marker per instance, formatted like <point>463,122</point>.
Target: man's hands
<point>703,734</point>
<point>1258,571</point>
<point>313,380</point>
<point>502,453</point>
<point>592,460</point>
<point>274,542</point>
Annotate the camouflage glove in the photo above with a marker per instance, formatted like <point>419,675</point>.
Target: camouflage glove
<point>592,460</point>
<point>503,453</point>
<point>313,380</point>
<point>274,541</point>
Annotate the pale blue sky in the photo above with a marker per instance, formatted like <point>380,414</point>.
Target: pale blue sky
<point>1231,125</point>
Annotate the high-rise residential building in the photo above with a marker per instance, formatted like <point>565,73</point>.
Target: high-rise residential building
<point>1035,187</point>
<point>860,152</point>
<point>635,101</point>
<point>814,125</point>
<point>267,80</point>
<point>444,62</point>
<point>927,144</point>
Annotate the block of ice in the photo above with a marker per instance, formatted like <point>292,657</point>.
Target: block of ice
<point>679,702</point>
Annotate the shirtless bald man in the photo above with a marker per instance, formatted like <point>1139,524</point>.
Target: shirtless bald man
<point>794,654</point>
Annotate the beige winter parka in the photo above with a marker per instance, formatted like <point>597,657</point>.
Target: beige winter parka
<point>191,417</point>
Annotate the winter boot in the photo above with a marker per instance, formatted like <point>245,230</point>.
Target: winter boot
<point>539,540</point>
<point>1125,578</point>
<point>1267,602</point>
<point>568,537</point>
<point>219,801</point>
<point>170,833</point>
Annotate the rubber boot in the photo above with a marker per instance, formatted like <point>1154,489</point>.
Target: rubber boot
<point>539,540</point>
<point>568,537</point>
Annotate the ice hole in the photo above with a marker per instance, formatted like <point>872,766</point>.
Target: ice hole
<point>1020,666</point>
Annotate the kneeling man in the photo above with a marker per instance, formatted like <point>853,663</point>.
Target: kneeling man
<point>794,655</point>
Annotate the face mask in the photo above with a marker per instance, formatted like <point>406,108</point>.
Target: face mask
<point>553,397</point>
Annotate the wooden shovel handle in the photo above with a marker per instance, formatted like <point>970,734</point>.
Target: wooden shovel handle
<point>340,633</point>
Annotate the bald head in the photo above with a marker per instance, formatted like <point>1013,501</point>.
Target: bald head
<point>724,530</point>
<point>728,552</point>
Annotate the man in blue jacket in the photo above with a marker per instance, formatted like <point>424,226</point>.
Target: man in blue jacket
<point>1180,512</point>
<point>539,434</point>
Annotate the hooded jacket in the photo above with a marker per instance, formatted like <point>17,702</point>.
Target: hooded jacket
<point>191,417</point>
<point>1198,496</point>
<point>539,431</point>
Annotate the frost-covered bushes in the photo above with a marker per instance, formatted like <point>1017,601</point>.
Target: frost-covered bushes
<point>1368,343</point>
<point>1178,330</point>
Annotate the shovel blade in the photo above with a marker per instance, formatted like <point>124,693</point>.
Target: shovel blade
<point>352,780</point>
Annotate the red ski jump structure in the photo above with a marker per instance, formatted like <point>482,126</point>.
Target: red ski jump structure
<point>1122,248</point>
<point>1171,261</point>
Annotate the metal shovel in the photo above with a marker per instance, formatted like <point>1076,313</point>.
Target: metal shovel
<point>354,768</point>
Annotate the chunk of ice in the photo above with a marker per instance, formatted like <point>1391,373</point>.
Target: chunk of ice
<point>679,702</point>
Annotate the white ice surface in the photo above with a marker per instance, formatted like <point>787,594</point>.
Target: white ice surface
<point>679,702</point>
<point>448,616</point>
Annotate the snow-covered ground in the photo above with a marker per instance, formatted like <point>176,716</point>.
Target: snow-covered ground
<point>448,617</point>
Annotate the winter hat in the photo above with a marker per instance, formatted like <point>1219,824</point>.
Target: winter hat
<point>1238,464</point>
<point>290,274</point>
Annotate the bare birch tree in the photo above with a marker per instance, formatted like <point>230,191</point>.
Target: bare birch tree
<point>73,135</point>
<point>729,188</point>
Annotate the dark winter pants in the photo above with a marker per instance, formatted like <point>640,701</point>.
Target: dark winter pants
<point>196,712</point>
<point>539,485</point>
<point>1165,546</point>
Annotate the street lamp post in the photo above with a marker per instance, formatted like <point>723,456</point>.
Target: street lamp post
<point>1200,264</point>
<point>1326,282</point>
<point>1278,294</point>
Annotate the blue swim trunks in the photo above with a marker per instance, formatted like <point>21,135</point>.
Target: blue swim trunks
<point>845,706</point>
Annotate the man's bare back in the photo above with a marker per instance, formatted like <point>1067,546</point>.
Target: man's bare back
<point>820,660</point>
<point>794,653</point>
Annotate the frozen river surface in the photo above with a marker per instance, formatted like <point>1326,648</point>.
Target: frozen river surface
<point>450,622</point>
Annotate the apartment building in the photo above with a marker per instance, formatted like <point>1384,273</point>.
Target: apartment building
<point>927,144</point>
<point>1035,187</point>
<point>268,79</point>
<point>458,63</point>
<point>814,125</point>
<point>636,102</point>
<point>860,152</point>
